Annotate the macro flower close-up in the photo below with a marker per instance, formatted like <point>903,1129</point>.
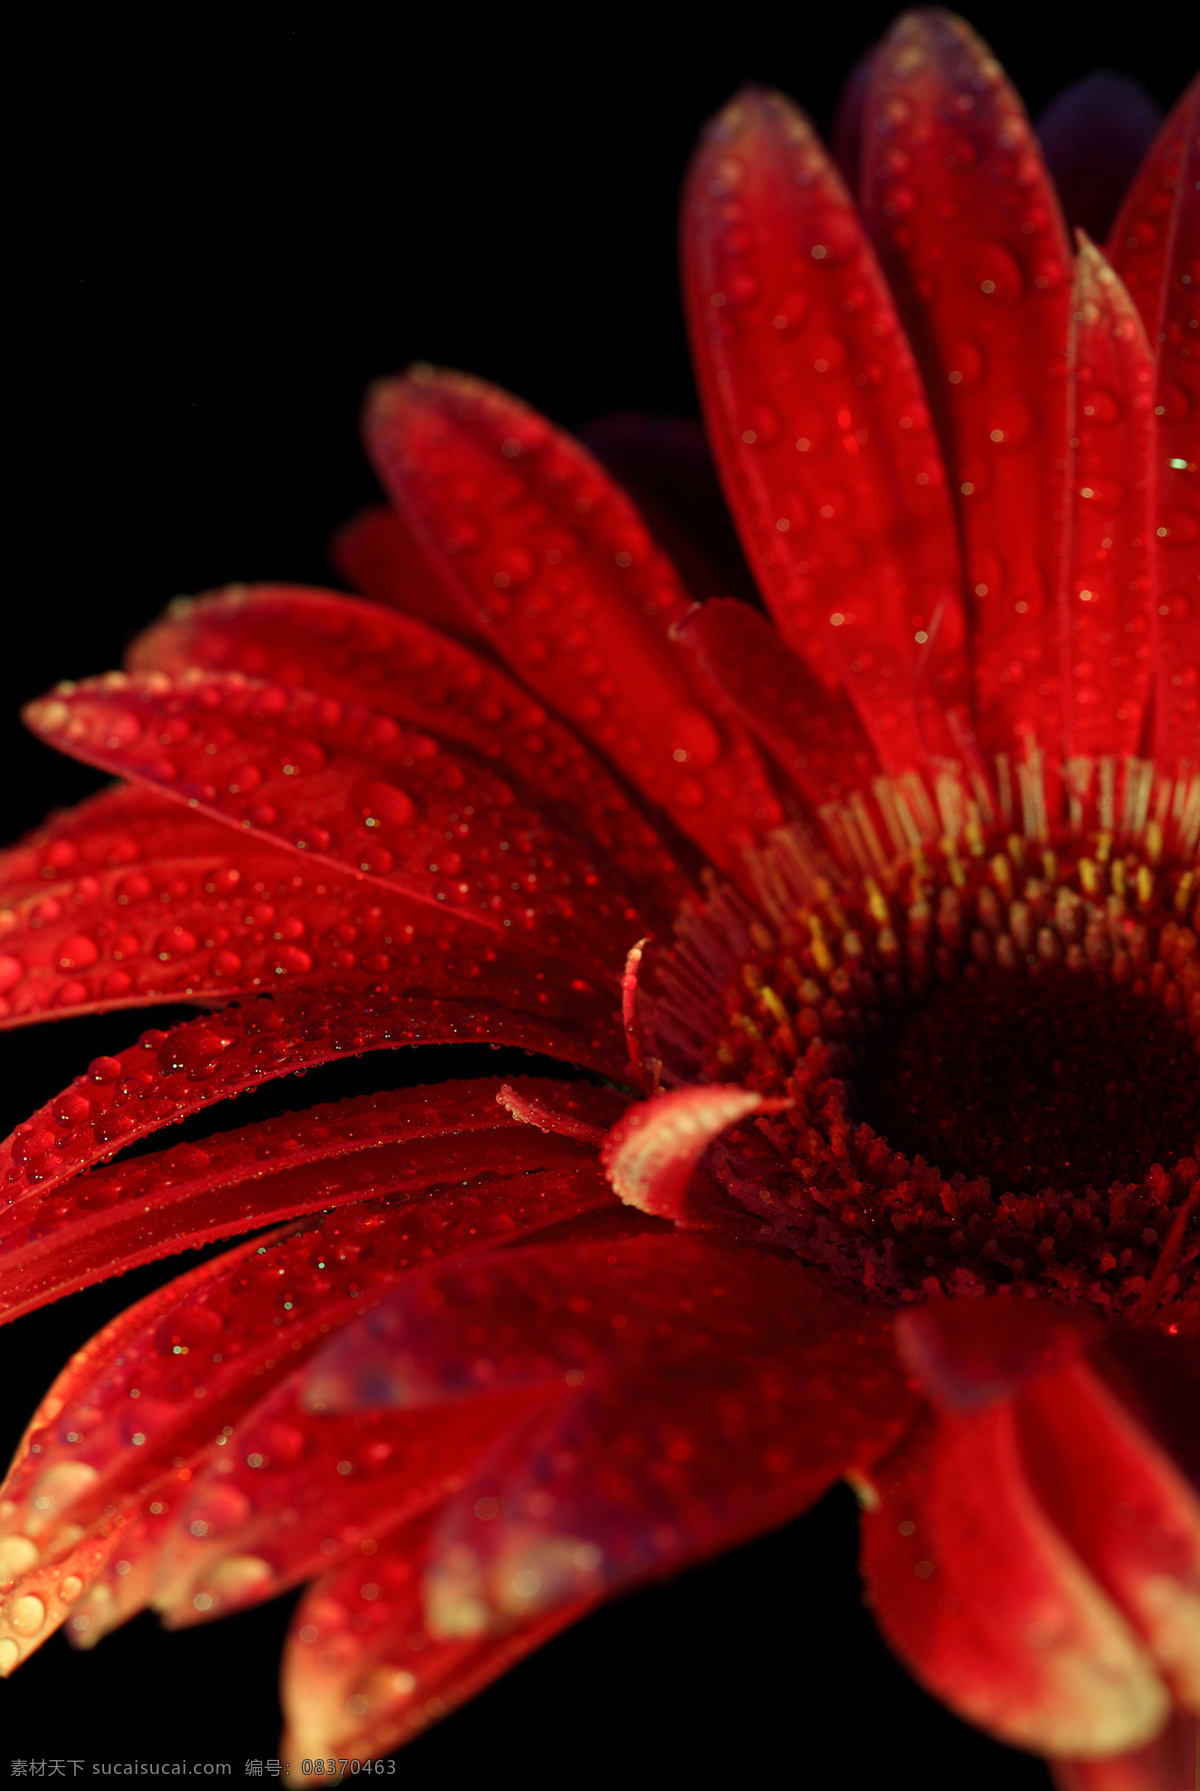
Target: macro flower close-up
<point>830,841</point>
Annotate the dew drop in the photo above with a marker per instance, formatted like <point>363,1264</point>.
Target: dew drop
<point>121,730</point>
<point>77,953</point>
<point>222,1508</point>
<point>384,802</point>
<point>693,736</point>
<point>26,1615</point>
<point>1010,421</point>
<point>1109,494</point>
<point>832,237</point>
<point>71,1108</point>
<point>17,1555</point>
<point>176,943</point>
<point>964,363</point>
<point>237,1575</point>
<point>740,289</point>
<point>791,312</point>
<point>900,202</point>
<point>291,960</point>
<point>1100,406</point>
<point>994,271</point>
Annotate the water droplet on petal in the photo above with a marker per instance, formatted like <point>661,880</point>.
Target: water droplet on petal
<point>1100,406</point>
<point>17,1555</point>
<point>964,363</point>
<point>26,1615</point>
<point>77,953</point>
<point>994,271</point>
<point>694,739</point>
<point>384,802</point>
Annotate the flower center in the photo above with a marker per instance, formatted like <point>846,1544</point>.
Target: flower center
<point>991,1066</point>
<point>1036,1081</point>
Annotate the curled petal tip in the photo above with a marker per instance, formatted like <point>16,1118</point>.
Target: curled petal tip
<point>650,1155</point>
<point>534,1113</point>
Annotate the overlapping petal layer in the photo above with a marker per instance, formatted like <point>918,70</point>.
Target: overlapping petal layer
<point>1108,593</point>
<point>132,899</point>
<point>67,1237</point>
<point>668,1451</point>
<point>814,734</point>
<point>464,1389</point>
<point>352,788</point>
<point>355,651</point>
<point>1076,1641</point>
<point>822,431</point>
<point>968,230</point>
<point>1155,246</point>
<point>169,1075</point>
<point>93,1486</point>
<point>375,553</point>
<point>557,568</point>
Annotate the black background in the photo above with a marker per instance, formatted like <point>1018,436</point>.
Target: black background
<point>225,226</point>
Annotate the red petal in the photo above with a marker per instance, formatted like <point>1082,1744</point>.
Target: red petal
<point>638,1478</point>
<point>565,1118</point>
<point>155,1206</point>
<point>987,1605</point>
<point>1126,1510</point>
<point>279,1458</point>
<point>821,428</point>
<point>267,1305</point>
<point>506,504</point>
<point>353,789</point>
<point>1156,247</point>
<point>429,1344</point>
<point>104,1576</point>
<point>339,1481</point>
<point>168,1075</point>
<point>651,1154</point>
<point>131,899</point>
<point>356,652</point>
<point>655,1468</point>
<point>108,832</point>
<point>361,1675</point>
<point>968,228</point>
<point>488,1341</point>
<point>375,553</point>
<point>1141,239</point>
<point>813,733</point>
<point>1108,590</point>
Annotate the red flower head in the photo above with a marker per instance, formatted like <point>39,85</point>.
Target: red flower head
<point>870,930</point>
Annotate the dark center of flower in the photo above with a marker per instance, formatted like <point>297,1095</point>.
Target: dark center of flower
<point>1036,1082</point>
<point>991,1065</point>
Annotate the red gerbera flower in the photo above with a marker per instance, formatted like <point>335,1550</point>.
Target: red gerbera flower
<point>874,926</point>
